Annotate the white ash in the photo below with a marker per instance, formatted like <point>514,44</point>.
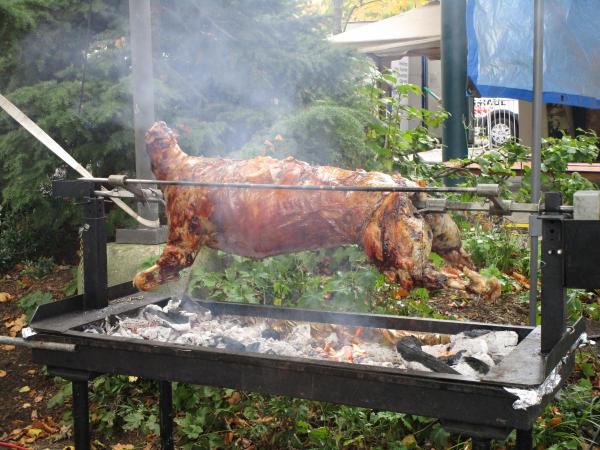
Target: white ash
<point>489,347</point>
<point>186,322</point>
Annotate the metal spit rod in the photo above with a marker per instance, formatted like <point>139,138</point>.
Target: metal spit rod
<point>495,206</point>
<point>487,190</point>
<point>20,342</point>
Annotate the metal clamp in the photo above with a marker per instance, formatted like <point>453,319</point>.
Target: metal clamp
<point>142,195</point>
<point>118,180</point>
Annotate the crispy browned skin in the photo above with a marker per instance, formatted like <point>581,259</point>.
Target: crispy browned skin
<point>261,223</point>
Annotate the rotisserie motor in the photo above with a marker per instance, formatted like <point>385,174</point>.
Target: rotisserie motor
<point>260,223</point>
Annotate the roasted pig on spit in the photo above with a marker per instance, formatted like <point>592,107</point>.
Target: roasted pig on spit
<point>260,223</point>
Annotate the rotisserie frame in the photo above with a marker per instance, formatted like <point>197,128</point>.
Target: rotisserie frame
<point>481,408</point>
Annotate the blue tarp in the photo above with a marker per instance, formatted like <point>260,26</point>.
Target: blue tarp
<point>500,36</point>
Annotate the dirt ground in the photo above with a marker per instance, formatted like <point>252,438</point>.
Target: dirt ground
<point>509,309</point>
<point>24,388</point>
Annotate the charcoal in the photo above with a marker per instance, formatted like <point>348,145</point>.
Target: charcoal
<point>232,344</point>
<point>254,347</point>
<point>453,359</point>
<point>270,333</point>
<point>477,364</point>
<point>411,341</point>
<point>177,317</point>
<point>172,317</point>
<point>475,333</point>
<point>189,305</point>
<point>410,349</point>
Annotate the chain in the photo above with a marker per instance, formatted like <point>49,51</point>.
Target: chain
<point>82,229</point>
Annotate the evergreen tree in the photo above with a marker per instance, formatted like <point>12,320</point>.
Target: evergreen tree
<point>230,69</point>
<point>41,71</point>
<point>227,72</point>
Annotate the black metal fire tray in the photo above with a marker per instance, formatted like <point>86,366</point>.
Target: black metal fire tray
<point>456,399</point>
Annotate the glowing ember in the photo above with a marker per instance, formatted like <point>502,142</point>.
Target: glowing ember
<point>187,322</point>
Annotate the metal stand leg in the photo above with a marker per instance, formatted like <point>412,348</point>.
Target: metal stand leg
<point>81,421</point>
<point>524,439</point>
<point>166,415</point>
<point>481,444</point>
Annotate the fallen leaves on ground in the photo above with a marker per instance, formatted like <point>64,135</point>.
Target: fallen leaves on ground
<point>2,373</point>
<point>5,297</point>
<point>16,325</point>
<point>555,421</point>
<point>521,279</point>
<point>122,447</point>
<point>400,292</point>
<point>234,398</point>
<point>38,429</point>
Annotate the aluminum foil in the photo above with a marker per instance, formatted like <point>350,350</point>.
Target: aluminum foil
<point>526,398</point>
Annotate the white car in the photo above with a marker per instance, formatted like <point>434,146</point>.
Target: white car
<point>495,120</point>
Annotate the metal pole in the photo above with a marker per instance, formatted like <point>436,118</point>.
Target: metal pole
<point>524,439</point>
<point>20,342</point>
<point>485,190</point>
<point>536,158</point>
<point>424,85</point>
<point>81,421</point>
<point>454,78</point>
<point>166,415</point>
<point>95,278</point>
<point>143,91</point>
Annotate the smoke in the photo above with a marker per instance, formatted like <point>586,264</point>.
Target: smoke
<point>231,77</point>
<point>231,74</point>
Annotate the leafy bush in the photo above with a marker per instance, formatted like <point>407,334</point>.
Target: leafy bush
<point>324,134</point>
<point>245,67</point>
<point>572,420</point>
<point>396,148</point>
<point>497,247</point>
<point>16,242</point>
<point>38,268</point>
<point>31,301</point>
<point>334,279</point>
<point>71,287</point>
<point>581,302</point>
<point>556,155</point>
<point>496,166</point>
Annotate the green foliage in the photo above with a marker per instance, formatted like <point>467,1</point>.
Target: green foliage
<point>573,419</point>
<point>205,415</point>
<point>556,154</point>
<point>38,268</point>
<point>225,72</point>
<point>17,241</point>
<point>71,287</point>
<point>497,247</point>
<point>40,71</point>
<point>324,134</point>
<point>31,301</point>
<point>415,304</point>
<point>333,279</point>
<point>497,165</point>
<point>581,302</point>
<point>396,149</point>
<point>63,393</point>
